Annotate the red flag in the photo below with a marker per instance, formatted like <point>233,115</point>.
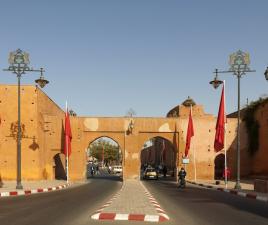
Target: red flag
<point>220,129</point>
<point>68,135</point>
<point>190,133</point>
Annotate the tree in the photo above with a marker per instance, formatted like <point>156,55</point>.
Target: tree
<point>112,153</point>
<point>130,113</point>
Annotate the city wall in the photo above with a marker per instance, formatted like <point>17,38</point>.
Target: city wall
<point>42,143</point>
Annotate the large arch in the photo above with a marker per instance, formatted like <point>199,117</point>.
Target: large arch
<point>103,153</point>
<point>159,152</point>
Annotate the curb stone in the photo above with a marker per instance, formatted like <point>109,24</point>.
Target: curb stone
<point>34,191</point>
<point>234,192</point>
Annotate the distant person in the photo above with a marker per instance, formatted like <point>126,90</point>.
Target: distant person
<point>164,170</point>
<point>109,169</point>
<point>97,169</point>
<point>226,173</point>
<point>92,170</point>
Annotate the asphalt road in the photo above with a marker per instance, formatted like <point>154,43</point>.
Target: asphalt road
<point>198,206</point>
<point>71,206</point>
<point>190,206</point>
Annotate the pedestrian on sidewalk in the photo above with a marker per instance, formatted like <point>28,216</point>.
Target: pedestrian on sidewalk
<point>226,173</point>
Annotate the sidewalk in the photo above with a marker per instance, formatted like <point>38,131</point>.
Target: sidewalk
<point>132,202</point>
<point>247,188</point>
<point>31,187</point>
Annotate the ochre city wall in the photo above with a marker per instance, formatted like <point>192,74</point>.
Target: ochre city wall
<point>260,158</point>
<point>44,120</point>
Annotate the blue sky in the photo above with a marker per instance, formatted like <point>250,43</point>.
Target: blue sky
<point>107,56</point>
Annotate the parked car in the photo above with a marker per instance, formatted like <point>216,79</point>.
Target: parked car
<point>150,173</point>
<point>117,169</point>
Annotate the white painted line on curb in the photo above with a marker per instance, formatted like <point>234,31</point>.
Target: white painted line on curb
<point>242,194</point>
<point>262,198</point>
<point>121,216</point>
<point>21,193</point>
<point>95,216</point>
<point>151,218</point>
<point>164,215</point>
<point>5,194</point>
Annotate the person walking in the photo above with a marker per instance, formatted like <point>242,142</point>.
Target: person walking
<point>97,170</point>
<point>164,170</point>
<point>182,175</point>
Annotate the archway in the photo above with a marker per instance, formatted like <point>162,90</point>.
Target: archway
<point>59,166</point>
<point>104,157</point>
<point>160,154</point>
<point>219,166</point>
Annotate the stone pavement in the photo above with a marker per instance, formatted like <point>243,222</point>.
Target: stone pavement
<point>132,202</point>
<point>31,187</point>
<point>247,188</point>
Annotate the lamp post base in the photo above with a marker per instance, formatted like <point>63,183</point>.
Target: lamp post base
<point>19,186</point>
<point>237,186</point>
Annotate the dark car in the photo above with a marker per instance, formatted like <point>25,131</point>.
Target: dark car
<point>150,173</point>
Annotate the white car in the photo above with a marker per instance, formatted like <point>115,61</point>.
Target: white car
<point>117,169</point>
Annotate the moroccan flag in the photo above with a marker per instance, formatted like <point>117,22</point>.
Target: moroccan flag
<point>68,135</point>
<point>190,133</point>
<point>220,128</point>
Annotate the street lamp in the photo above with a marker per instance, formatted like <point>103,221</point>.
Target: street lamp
<point>130,127</point>
<point>238,62</point>
<point>266,73</point>
<point>19,61</point>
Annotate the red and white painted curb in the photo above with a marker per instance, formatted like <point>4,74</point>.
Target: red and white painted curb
<point>240,193</point>
<point>161,213</point>
<point>162,216</point>
<point>34,191</point>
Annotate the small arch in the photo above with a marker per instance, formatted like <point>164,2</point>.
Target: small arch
<point>59,171</point>
<point>219,166</point>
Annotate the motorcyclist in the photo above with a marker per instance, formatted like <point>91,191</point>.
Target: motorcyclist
<point>182,175</point>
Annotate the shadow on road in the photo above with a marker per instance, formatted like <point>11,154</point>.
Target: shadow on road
<point>106,177</point>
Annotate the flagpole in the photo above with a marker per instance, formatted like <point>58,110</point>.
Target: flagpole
<point>225,152</point>
<point>67,149</point>
<point>193,151</point>
<point>194,163</point>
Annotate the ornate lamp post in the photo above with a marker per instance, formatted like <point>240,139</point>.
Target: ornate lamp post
<point>19,61</point>
<point>239,66</point>
<point>266,73</point>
